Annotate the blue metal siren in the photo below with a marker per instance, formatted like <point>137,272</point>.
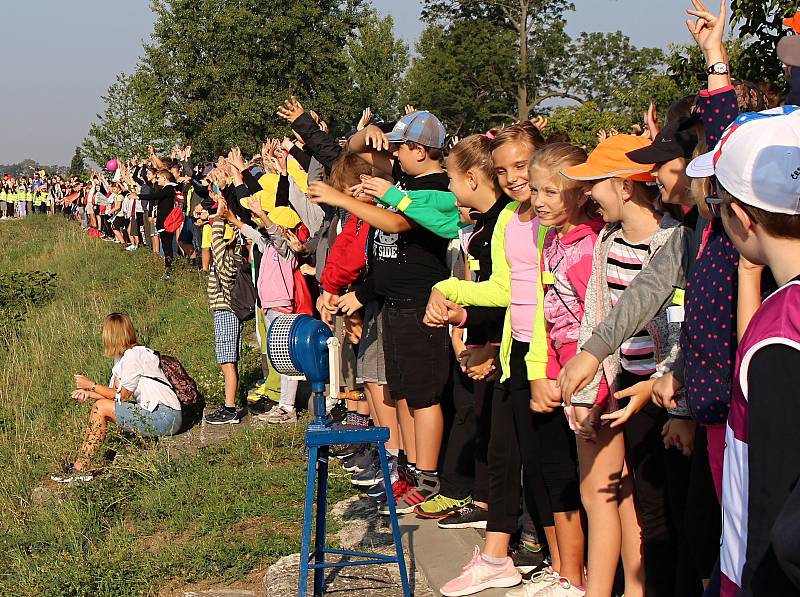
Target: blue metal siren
<point>301,346</point>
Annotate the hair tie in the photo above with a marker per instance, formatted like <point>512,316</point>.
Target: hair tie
<point>489,135</point>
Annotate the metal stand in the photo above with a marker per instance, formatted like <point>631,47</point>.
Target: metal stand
<point>319,437</point>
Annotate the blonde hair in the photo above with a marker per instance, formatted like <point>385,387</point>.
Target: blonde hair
<point>118,334</point>
<point>554,158</point>
<point>520,132</point>
<point>472,153</point>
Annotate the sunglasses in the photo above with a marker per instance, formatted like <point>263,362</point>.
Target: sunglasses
<point>715,205</point>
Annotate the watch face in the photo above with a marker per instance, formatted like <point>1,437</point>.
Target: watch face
<point>720,68</point>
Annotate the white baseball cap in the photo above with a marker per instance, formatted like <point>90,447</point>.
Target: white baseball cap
<point>757,160</point>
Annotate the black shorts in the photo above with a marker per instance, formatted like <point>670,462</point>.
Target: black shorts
<point>417,356</point>
<point>120,223</point>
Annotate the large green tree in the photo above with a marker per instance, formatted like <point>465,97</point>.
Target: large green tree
<point>376,62</point>
<point>77,166</point>
<point>533,28</point>
<point>134,117</point>
<point>762,22</point>
<point>224,65</point>
<point>482,63</point>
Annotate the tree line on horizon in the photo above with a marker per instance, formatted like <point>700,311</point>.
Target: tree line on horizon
<point>214,70</point>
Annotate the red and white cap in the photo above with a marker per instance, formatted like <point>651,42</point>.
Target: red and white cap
<point>757,160</point>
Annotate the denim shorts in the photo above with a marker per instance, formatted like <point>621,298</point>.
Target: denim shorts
<point>162,421</point>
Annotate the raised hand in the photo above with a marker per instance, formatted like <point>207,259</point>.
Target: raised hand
<point>651,120</point>
<point>235,158</point>
<point>376,138</point>
<point>291,109</point>
<point>540,122</point>
<point>366,118</point>
<point>409,109</point>
<point>286,144</point>
<point>708,30</point>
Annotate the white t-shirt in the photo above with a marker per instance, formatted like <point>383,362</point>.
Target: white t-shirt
<point>127,207</point>
<point>134,369</point>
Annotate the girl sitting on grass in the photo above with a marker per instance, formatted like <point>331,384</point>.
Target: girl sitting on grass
<point>138,396</point>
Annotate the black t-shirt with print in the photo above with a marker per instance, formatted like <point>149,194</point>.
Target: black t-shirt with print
<point>405,266</point>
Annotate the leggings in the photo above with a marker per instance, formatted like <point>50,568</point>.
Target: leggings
<point>465,470</point>
<point>138,228</point>
<point>660,482</point>
<point>166,246</point>
<point>540,445</point>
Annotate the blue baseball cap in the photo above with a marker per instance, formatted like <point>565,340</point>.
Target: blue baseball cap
<point>419,127</point>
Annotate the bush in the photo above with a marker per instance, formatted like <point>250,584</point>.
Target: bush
<point>20,291</point>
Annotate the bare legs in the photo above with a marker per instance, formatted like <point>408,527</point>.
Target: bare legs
<point>607,494</point>
<point>231,374</point>
<point>102,412</point>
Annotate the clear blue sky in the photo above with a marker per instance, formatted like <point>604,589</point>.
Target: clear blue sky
<point>59,57</point>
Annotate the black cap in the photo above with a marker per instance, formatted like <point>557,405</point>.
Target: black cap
<point>676,140</point>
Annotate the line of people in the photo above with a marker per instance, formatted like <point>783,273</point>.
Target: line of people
<point>570,350</point>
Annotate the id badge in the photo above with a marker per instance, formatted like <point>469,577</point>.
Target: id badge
<point>548,278</point>
<point>675,314</point>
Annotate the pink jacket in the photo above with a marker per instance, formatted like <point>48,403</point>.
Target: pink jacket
<point>569,260</point>
<point>276,273</point>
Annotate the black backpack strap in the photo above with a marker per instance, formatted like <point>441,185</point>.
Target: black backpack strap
<point>161,381</point>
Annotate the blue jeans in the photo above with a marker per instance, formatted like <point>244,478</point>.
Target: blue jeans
<point>162,421</point>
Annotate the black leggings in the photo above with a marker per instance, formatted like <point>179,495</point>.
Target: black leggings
<point>541,446</point>
<point>465,469</point>
<point>661,480</point>
<point>166,246</point>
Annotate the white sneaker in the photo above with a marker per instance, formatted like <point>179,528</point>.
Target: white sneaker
<point>562,588</point>
<point>131,248</point>
<point>279,416</point>
<point>541,580</point>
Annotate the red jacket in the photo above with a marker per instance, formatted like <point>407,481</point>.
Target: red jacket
<point>347,257</point>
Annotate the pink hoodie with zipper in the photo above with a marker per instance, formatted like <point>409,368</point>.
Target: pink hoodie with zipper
<point>566,269</point>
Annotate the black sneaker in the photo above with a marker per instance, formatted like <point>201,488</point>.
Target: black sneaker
<point>344,451</point>
<point>528,561</point>
<point>71,475</point>
<point>468,517</point>
<point>373,474</point>
<point>222,416</point>
<point>360,462</point>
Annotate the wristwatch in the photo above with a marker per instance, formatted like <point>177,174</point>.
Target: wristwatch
<point>718,68</point>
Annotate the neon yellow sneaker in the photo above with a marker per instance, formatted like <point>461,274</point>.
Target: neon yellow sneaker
<point>440,506</point>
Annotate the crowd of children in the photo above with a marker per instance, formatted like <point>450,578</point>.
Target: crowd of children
<point>570,351</point>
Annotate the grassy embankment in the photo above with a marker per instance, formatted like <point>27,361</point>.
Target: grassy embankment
<point>150,521</point>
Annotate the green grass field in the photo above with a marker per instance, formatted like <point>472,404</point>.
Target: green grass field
<point>151,521</point>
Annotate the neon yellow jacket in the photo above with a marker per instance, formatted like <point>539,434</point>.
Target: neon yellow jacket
<point>496,292</point>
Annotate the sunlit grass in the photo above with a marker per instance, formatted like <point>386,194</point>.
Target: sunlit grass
<point>150,520</point>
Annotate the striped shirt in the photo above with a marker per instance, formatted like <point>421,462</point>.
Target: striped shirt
<point>625,259</point>
<point>225,265</point>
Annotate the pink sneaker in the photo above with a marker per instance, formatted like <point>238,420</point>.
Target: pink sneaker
<point>478,576</point>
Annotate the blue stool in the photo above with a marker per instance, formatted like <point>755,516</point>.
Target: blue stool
<point>318,440</point>
<point>302,346</point>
